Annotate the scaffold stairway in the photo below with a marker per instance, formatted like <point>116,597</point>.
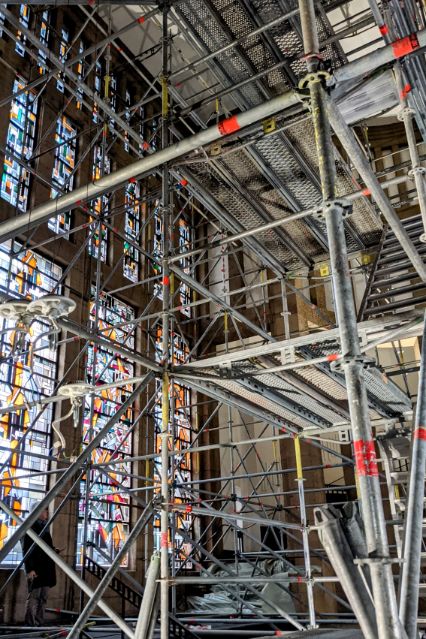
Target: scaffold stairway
<point>177,629</point>
<point>393,285</point>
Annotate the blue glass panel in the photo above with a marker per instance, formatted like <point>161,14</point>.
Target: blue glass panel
<point>15,180</point>
<point>108,506</point>
<point>63,167</point>
<point>132,231</point>
<point>29,275</point>
<point>24,19</point>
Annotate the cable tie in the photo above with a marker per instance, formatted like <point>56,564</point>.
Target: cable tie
<point>404,46</point>
<point>366,192</point>
<point>166,280</point>
<point>365,458</point>
<point>230,125</point>
<point>132,180</point>
<point>384,29</point>
<point>183,182</point>
<point>141,19</point>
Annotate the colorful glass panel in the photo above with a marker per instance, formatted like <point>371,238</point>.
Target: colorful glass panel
<point>98,244</point>
<point>132,229</point>
<point>98,90</point>
<point>157,248</point>
<point>15,182</point>
<point>113,98</point>
<point>63,55</point>
<point>44,39</point>
<point>63,167</point>
<point>127,115</point>
<point>80,73</point>
<point>23,381</point>
<point>24,19</point>
<point>185,244</point>
<point>183,434</point>
<point>108,507</point>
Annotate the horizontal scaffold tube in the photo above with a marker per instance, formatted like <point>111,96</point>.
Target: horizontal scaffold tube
<point>82,196</point>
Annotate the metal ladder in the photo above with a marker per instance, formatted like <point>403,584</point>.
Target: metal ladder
<point>397,472</point>
<point>393,284</point>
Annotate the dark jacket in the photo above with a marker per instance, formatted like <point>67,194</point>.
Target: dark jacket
<point>37,559</point>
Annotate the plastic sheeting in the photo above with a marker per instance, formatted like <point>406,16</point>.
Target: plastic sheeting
<point>222,599</point>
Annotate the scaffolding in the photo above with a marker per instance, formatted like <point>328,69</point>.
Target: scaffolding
<point>239,428</point>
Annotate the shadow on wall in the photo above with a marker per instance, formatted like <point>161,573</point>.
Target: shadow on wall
<point>12,602</point>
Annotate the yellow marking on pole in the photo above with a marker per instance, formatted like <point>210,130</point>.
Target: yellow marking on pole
<point>164,96</point>
<point>358,491</point>
<point>225,321</point>
<point>107,84</point>
<point>297,451</point>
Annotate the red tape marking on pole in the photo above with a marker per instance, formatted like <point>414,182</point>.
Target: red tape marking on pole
<point>333,357</point>
<point>405,91</point>
<point>420,432</point>
<point>366,192</point>
<point>365,458</point>
<point>228,126</point>
<point>405,45</point>
<point>384,29</point>
<point>164,540</point>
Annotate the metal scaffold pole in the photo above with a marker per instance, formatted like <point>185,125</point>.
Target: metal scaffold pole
<point>165,397</point>
<point>305,535</point>
<point>413,532</point>
<point>352,361</point>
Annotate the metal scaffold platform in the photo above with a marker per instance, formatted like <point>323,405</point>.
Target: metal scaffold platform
<point>213,316</point>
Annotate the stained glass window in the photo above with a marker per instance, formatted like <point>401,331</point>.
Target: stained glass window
<point>19,142</point>
<point>183,434</point>
<point>98,90</point>
<point>108,508</point>
<point>63,167</point>
<point>157,249</point>
<point>2,20</point>
<point>80,73</point>
<point>185,244</point>
<point>127,115</point>
<point>113,97</point>
<point>44,39</point>
<point>23,381</point>
<point>98,244</point>
<point>144,146</point>
<point>24,19</point>
<point>132,230</point>
<point>63,55</point>
<point>153,138</point>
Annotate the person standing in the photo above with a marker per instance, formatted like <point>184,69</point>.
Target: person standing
<point>40,570</point>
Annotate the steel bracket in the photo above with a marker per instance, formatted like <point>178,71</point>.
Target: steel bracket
<point>311,78</point>
<point>366,362</point>
<point>344,207</point>
<point>417,169</point>
<point>405,113</point>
